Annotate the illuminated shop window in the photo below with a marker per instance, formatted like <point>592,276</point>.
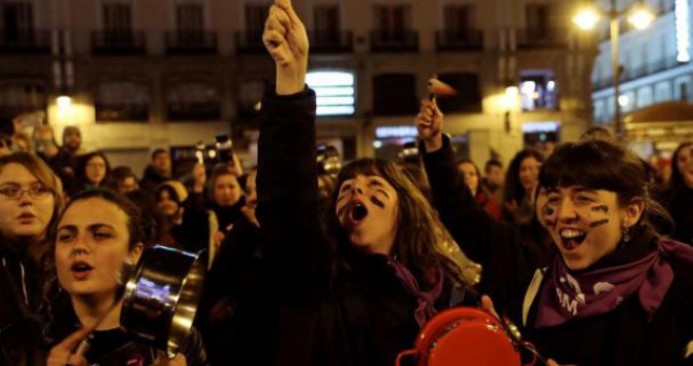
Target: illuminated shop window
<point>334,90</point>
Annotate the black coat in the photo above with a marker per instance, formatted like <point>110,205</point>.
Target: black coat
<point>678,200</point>
<point>316,314</point>
<point>20,296</point>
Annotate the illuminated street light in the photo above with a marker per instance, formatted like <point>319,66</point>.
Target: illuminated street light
<point>639,16</point>
<point>586,18</point>
<point>64,101</point>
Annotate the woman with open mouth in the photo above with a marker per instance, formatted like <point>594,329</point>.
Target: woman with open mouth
<point>98,234</point>
<point>358,294</point>
<point>30,198</point>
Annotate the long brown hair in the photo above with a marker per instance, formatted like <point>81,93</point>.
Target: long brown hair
<point>421,242</point>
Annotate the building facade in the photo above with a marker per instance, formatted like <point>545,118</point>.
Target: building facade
<point>143,74</point>
<point>655,68</point>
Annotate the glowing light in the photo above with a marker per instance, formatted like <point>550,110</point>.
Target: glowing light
<point>377,144</point>
<point>64,101</point>
<point>334,91</point>
<point>395,131</point>
<point>641,18</point>
<point>623,100</point>
<point>551,85</point>
<point>586,18</point>
<point>682,31</point>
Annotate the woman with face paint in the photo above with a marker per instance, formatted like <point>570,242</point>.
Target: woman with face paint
<point>97,234</point>
<point>619,293</point>
<point>678,196</point>
<point>30,199</point>
<point>358,294</point>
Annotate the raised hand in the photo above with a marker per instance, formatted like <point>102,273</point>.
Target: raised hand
<point>429,124</point>
<point>286,40</point>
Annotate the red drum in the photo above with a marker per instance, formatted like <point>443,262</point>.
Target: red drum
<point>464,336</point>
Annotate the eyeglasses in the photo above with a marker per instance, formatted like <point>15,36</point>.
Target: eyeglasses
<point>14,192</point>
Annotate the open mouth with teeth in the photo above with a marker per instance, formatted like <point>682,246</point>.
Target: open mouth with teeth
<point>572,238</point>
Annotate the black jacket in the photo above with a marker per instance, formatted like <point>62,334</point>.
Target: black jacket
<point>316,314</point>
<point>678,200</point>
<point>20,296</point>
<point>115,347</point>
<point>151,179</point>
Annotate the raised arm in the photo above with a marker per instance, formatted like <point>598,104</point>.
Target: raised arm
<point>493,244</point>
<point>287,177</point>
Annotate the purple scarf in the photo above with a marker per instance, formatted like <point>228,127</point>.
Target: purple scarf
<point>425,299</point>
<point>567,296</point>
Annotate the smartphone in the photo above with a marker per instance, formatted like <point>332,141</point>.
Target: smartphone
<point>224,148</point>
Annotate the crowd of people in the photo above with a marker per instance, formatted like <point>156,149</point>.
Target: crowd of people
<point>588,250</point>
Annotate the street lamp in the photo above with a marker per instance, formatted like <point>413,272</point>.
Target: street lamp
<point>638,15</point>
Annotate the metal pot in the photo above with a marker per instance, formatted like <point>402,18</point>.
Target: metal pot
<point>161,297</point>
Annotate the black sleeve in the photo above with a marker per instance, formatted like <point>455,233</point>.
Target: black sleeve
<point>493,244</point>
<point>288,191</point>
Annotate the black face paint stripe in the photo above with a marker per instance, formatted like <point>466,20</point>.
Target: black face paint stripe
<point>601,208</point>
<point>548,214</point>
<point>377,202</point>
<point>341,210</point>
<point>599,223</point>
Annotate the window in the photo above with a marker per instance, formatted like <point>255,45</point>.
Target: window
<point>468,98</point>
<point>326,19</point>
<point>392,21</point>
<point>537,20</point>
<point>193,101</point>
<point>459,19</point>
<point>644,98</point>
<point>19,99</point>
<point>682,92</point>
<point>395,95</point>
<point>121,101</point>
<point>189,18</point>
<point>16,20</point>
<point>255,16</point>
<point>334,90</point>
<point>117,17</point>
<point>538,90</point>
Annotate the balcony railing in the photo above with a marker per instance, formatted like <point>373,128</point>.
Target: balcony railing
<point>459,40</point>
<point>331,42</point>
<point>25,42</point>
<point>542,37</point>
<point>249,43</point>
<point>190,43</point>
<point>118,42</point>
<point>394,41</point>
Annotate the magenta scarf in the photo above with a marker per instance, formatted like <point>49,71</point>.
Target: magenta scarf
<point>425,309</point>
<point>567,295</point>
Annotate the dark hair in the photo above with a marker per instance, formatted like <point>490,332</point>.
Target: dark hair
<point>421,242</point>
<point>219,171</point>
<point>676,181</point>
<point>157,152</point>
<point>136,223</point>
<point>512,189</point>
<point>81,171</point>
<point>599,133</point>
<point>600,164</point>
<point>491,163</point>
<point>120,173</point>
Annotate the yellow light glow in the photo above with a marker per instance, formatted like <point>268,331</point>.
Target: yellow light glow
<point>641,17</point>
<point>586,18</point>
<point>512,92</point>
<point>64,101</point>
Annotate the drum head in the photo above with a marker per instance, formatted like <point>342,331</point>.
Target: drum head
<point>474,343</point>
